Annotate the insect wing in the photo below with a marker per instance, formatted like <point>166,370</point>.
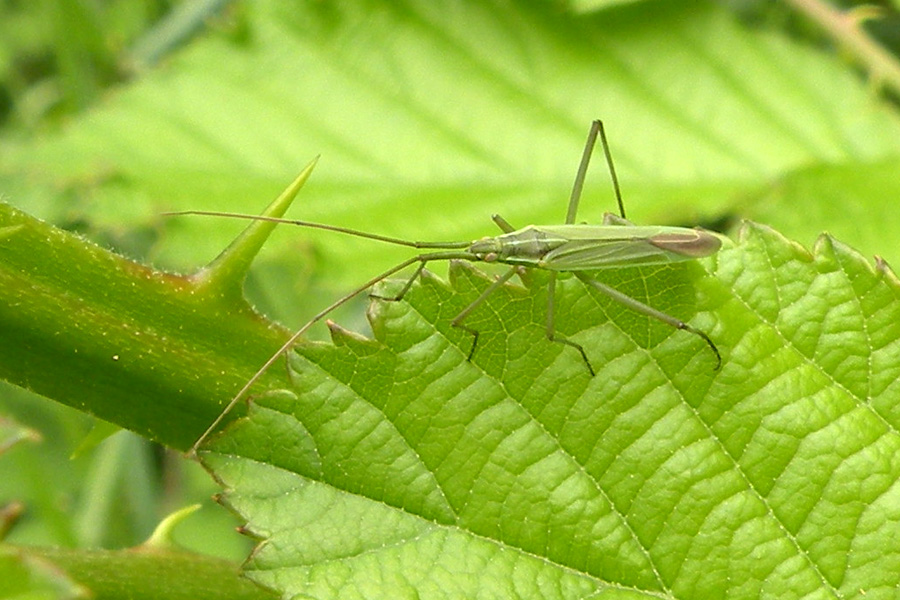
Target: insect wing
<point>688,243</point>
<point>597,247</point>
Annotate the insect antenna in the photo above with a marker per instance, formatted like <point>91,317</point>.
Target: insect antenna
<point>336,228</point>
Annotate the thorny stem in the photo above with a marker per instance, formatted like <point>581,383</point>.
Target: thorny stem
<point>844,27</point>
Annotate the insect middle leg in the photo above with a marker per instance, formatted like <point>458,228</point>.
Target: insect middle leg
<point>551,329</point>
<point>457,321</point>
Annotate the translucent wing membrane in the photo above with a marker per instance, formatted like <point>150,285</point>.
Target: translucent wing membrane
<point>590,247</point>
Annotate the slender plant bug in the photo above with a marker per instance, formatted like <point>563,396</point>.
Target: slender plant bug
<point>574,248</point>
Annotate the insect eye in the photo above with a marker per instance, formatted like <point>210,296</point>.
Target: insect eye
<point>490,257</point>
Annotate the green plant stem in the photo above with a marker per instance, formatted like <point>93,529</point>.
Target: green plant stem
<point>845,28</point>
<point>153,352</point>
<point>148,573</point>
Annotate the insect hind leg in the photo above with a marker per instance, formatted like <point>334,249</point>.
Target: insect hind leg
<point>651,312</point>
<point>595,131</point>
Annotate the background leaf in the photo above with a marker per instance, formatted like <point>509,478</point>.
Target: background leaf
<point>473,108</point>
<point>430,117</point>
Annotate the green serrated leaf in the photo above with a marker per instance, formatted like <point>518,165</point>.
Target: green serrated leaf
<point>395,462</point>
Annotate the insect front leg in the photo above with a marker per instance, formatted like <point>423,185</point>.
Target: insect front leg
<point>457,321</point>
<point>399,296</point>
<point>551,329</point>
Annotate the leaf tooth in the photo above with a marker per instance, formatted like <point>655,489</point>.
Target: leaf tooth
<point>462,271</point>
<point>836,250</point>
<point>341,336</point>
<point>883,269</point>
<point>751,231</point>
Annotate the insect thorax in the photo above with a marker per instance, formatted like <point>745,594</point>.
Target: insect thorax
<point>525,246</point>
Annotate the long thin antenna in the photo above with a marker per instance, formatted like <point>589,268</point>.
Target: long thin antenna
<point>335,228</point>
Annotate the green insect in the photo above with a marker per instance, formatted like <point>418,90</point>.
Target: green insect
<point>573,248</point>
